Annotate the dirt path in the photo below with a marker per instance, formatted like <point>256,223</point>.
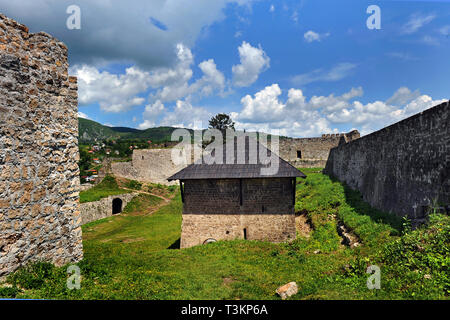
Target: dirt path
<point>303,226</point>
<point>152,194</point>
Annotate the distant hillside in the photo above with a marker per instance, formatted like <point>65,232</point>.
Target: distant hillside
<point>90,130</point>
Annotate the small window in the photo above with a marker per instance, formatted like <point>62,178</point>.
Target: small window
<point>142,157</point>
<point>245,233</point>
<point>299,154</point>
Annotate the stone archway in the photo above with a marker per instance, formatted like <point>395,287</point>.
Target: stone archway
<point>116,206</point>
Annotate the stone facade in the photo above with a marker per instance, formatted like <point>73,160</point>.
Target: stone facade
<point>39,175</point>
<point>402,168</point>
<point>312,152</point>
<point>148,165</point>
<point>213,210</point>
<point>96,210</point>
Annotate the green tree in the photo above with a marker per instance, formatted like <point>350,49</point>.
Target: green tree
<point>221,121</point>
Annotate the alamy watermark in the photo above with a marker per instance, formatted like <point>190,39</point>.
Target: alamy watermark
<point>73,22</point>
<point>374,20</point>
<point>374,280</point>
<point>74,280</point>
<point>213,146</point>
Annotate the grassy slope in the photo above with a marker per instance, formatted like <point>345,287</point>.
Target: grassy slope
<point>108,187</point>
<point>129,257</point>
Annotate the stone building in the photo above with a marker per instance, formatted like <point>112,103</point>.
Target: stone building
<point>39,175</point>
<point>236,200</point>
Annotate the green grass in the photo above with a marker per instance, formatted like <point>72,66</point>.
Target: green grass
<point>108,187</point>
<point>135,256</point>
<point>133,184</point>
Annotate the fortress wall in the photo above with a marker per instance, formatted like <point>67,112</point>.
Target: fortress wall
<point>96,210</point>
<point>39,175</point>
<point>314,151</point>
<point>148,165</point>
<point>402,168</point>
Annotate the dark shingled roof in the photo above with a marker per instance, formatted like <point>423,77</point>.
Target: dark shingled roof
<point>202,170</point>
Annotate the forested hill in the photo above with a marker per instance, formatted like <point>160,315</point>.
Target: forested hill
<point>90,130</point>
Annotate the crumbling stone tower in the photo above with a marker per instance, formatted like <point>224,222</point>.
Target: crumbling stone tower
<point>39,175</point>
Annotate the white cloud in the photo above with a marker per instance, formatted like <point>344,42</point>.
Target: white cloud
<point>272,8</point>
<point>174,82</point>
<point>445,30</point>
<point>336,73</point>
<point>187,116</point>
<point>311,36</point>
<point>183,115</point>
<point>402,56</point>
<point>264,107</point>
<point>121,92</point>
<point>83,115</point>
<point>253,62</point>
<point>416,22</point>
<point>431,41</point>
<point>378,114</point>
<point>115,31</point>
<point>403,96</point>
<point>298,116</point>
<point>114,93</point>
<point>332,103</point>
<point>151,113</point>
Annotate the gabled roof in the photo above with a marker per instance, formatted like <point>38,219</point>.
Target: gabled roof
<point>243,169</point>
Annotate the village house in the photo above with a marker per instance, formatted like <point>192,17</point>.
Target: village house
<point>236,200</point>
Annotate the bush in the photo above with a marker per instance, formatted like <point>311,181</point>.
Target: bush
<point>133,184</point>
<point>11,292</point>
<point>421,257</point>
<point>32,276</point>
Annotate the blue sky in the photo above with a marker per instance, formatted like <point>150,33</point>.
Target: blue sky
<point>301,67</point>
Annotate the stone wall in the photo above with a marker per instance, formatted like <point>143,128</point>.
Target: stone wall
<point>401,168</point>
<point>312,152</point>
<point>96,210</point>
<point>149,165</point>
<point>39,175</point>
<point>212,210</point>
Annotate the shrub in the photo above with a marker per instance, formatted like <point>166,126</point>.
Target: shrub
<point>9,292</point>
<point>133,184</point>
<point>32,276</point>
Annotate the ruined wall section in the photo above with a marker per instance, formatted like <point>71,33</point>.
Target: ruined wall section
<point>402,168</point>
<point>312,152</point>
<point>96,210</point>
<point>39,175</point>
<point>149,165</point>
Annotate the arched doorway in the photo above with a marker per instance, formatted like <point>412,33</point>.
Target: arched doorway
<point>117,206</point>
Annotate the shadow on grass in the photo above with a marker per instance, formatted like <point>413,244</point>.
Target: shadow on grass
<point>356,201</point>
<point>175,245</point>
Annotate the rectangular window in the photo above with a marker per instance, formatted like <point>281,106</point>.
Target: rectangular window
<point>299,154</point>
<point>245,233</point>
